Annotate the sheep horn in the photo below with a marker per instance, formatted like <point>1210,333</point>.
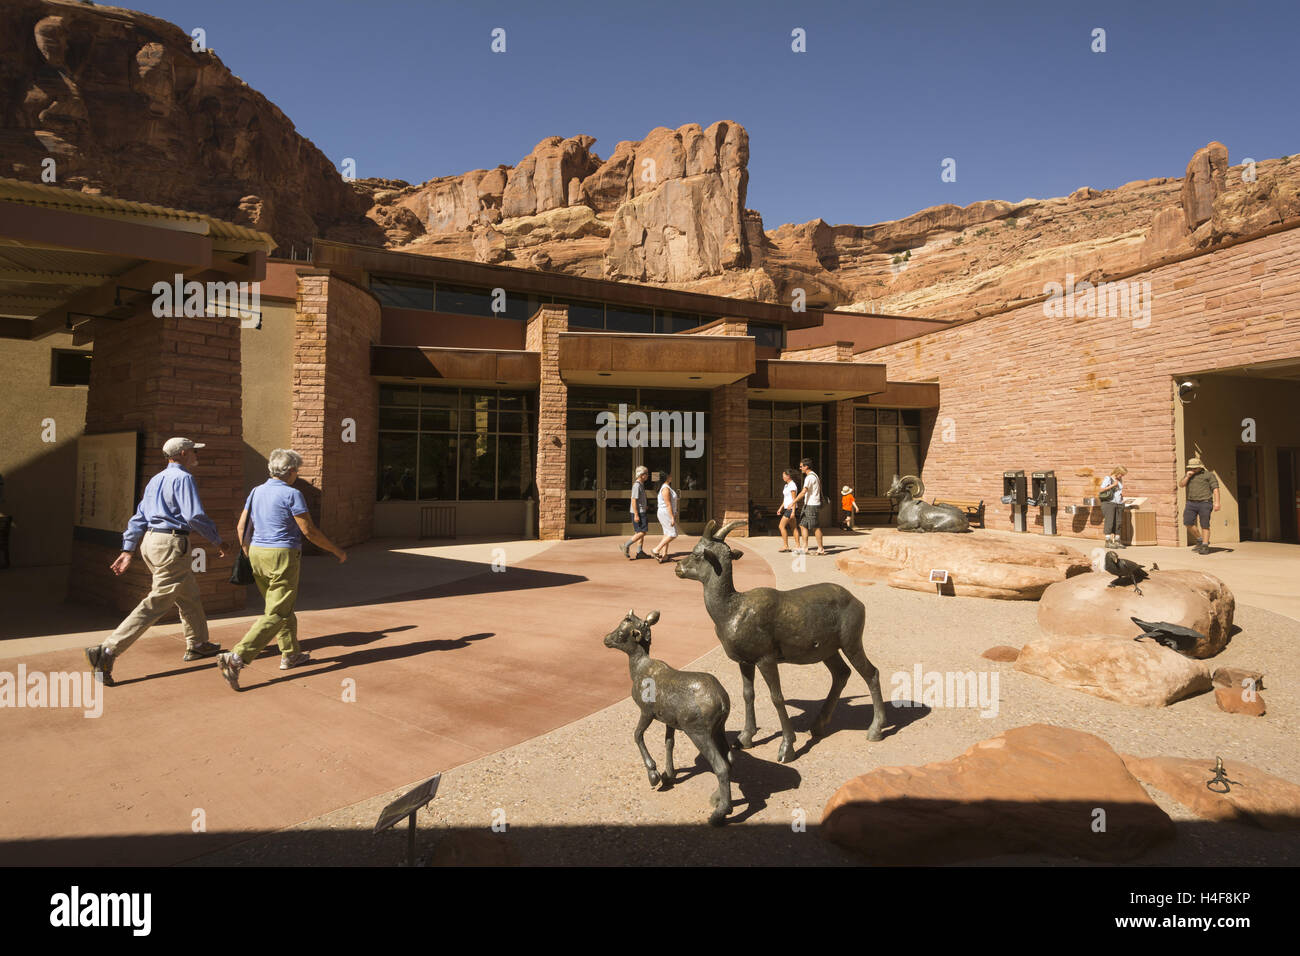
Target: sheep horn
<point>708,530</point>
<point>916,483</point>
<point>726,528</point>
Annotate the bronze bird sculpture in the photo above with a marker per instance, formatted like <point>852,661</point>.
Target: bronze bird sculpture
<point>1173,636</point>
<point>1125,571</point>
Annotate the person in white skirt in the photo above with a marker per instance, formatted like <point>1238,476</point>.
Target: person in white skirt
<point>667,516</point>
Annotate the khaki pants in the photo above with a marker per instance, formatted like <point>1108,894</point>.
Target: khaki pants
<point>276,572</point>
<point>167,556</point>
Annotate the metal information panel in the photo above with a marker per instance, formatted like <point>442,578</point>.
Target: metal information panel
<point>407,806</point>
<point>106,468</point>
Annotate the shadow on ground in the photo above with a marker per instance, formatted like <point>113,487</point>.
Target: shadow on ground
<point>736,844</point>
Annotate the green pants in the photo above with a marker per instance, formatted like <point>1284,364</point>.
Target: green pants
<point>276,572</point>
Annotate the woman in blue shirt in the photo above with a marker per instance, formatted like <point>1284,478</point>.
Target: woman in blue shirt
<point>280,520</point>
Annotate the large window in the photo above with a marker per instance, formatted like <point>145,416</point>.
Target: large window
<point>70,367</point>
<point>781,434</point>
<point>583,315</point>
<point>766,336</point>
<point>886,442</point>
<point>455,444</point>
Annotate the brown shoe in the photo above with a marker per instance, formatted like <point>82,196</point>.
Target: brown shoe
<point>200,651</point>
<point>101,662</point>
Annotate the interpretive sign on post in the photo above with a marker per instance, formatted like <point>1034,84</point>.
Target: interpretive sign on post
<point>407,806</point>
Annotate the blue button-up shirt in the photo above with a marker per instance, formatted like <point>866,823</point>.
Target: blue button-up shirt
<point>170,503</point>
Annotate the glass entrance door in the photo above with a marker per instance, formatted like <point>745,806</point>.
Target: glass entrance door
<point>600,486</point>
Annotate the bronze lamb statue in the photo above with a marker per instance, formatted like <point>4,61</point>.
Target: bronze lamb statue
<point>765,627</point>
<point>915,515</point>
<point>689,701</point>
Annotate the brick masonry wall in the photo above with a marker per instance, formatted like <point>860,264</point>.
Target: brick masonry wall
<point>166,377</point>
<point>729,434</point>
<point>543,335</point>
<point>335,325</point>
<point>1079,395</point>
<point>842,443</point>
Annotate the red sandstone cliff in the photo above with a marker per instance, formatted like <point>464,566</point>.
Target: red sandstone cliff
<point>125,106</point>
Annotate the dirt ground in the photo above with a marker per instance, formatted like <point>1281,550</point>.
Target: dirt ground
<point>579,794</point>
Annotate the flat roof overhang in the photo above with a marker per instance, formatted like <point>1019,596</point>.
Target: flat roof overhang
<point>907,395</point>
<point>68,258</point>
<point>788,380</point>
<point>656,361</point>
<point>461,367</point>
<point>358,261</point>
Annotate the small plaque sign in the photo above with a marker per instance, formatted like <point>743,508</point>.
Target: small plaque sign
<point>938,577</point>
<point>408,803</point>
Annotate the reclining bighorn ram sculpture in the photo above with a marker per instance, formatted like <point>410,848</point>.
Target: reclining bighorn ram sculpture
<point>690,701</point>
<point>764,627</point>
<point>915,515</point>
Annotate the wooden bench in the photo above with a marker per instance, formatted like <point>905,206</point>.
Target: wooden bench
<point>973,507</point>
<point>875,506</point>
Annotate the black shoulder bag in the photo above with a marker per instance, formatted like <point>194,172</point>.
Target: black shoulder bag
<point>241,574</point>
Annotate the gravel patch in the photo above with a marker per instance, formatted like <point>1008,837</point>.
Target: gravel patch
<point>579,794</point>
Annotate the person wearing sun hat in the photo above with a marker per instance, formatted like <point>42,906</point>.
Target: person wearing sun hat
<point>1202,498</point>
<point>848,505</point>
<point>160,531</point>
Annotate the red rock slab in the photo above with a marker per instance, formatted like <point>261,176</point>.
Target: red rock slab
<point>1257,797</point>
<point>1140,673</point>
<point>1088,605</point>
<point>978,565</point>
<point>1032,789</point>
<point>398,690</point>
<point>1234,701</point>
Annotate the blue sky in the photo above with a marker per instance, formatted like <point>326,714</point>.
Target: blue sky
<point>854,130</point>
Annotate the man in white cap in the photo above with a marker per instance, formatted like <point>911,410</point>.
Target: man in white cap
<point>160,531</point>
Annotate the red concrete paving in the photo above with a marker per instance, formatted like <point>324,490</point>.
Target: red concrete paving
<point>442,676</point>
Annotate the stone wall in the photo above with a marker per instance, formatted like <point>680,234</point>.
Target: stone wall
<point>1081,394</point>
<point>336,403</point>
<point>729,435</point>
<point>543,335</point>
<point>166,377</point>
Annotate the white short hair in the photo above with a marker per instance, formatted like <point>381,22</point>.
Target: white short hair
<point>642,470</point>
<point>283,461</point>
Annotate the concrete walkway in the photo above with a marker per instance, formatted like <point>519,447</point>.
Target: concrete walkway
<point>403,685</point>
<point>374,571</point>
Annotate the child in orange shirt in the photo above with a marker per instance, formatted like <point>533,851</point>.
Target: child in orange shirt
<point>848,505</point>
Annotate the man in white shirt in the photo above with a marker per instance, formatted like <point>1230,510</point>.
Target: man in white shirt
<point>812,505</point>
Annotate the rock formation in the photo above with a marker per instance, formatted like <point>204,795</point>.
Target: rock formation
<point>1261,799</point>
<point>1138,673</point>
<point>1022,791</point>
<point>125,106</point>
<point>1087,605</point>
<point>989,566</point>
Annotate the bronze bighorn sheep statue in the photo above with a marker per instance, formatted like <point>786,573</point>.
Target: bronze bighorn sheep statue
<point>689,701</point>
<point>764,627</point>
<point>915,515</point>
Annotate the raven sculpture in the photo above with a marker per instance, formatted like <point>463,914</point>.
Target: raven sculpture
<point>1173,636</point>
<point>1126,571</point>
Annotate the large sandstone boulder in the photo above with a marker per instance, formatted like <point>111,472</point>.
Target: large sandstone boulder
<point>1259,798</point>
<point>1141,673</point>
<point>1032,789</point>
<point>1207,171</point>
<point>1086,604</point>
<point>128,107</point>
<point>978,564</point>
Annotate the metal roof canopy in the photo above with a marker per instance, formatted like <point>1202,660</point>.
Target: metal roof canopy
<point>66,254</point>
